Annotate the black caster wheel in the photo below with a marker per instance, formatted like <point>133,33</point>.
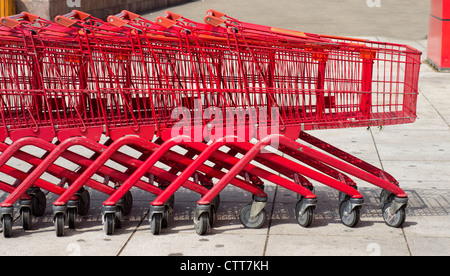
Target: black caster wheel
<point>118,218</point>
<point>7,223</point>
<point>59,224</point>
<point>38,203</point>
<point>202,224</point>
<point>212,216</point>
<point>156,223</point>
<point>305,218</point>
<point>25,214</point>
<point>165,217</point>
<point>393,219</point>
<point>84,202</point>
<point>247,220</point>
<point>71,217</point>
<point>349,216</point>
<point>127,203</point>
<point>109,223</point>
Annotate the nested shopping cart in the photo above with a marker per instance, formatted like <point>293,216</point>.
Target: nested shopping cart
<point>194,97</point>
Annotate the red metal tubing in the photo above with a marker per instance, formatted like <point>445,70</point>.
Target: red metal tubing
<point>44,165</point>
<point>6,187</point>
<point>214,173</point>
<point>160,173</point>
<point>180,180</point>
<point>110,151</point>
<point>13,173</point>
<point>106,155</point>
<point>205,155</point>
<point>346,156</point>
<point>20,175</point>
<point>252,169</point>
<point>255,151</point>
<point>235,170</point>
<point>114,174</point>
<point>10,151</point>
<point>144,144</point>
<point>35,161</point>
<point>149,146</point>
<point>156,155</point>
<point>333,162</point>
<point>280,167</point>
<point>91,169</point>
<point>274,159</point>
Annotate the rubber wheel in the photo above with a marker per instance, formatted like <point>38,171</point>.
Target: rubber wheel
<point>165,218</point>
<point>306,219</point>
<point>108,224</point>
<point>25,214</point>
<point>212,216</point>
<point>7,226</point>
<point>202,224</point>
<point>118,218</point>
<point>247,221</point>
<point>38,204</point>
<point>155,223</point>
<point>71,213</point>
<point>127,203</point>
<point>393,220</point>
<point>84,202</point>
<point>349,219</point>
<point>59,224</point>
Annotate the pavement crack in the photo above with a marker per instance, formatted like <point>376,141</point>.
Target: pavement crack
<point>270,221</point>
<point>132,234</point>
<point>376,148</point>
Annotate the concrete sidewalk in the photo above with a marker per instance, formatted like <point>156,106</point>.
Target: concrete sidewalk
<point>417,154</point>
<point>402,19</point>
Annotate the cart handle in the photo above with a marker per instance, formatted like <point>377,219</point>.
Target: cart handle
<point>168,20</point>
<point>66,19</point>
<point>215,13</point>
<point>121,19</point>
<point>213,18</point>
<point>14,20</point>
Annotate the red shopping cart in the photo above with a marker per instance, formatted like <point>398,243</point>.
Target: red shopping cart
<point>209,88</point>
<point>313,82</point>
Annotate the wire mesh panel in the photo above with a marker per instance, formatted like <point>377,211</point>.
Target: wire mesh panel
<point>91,74</point>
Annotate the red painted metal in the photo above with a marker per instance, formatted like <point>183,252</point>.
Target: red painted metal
<point>107,154</point>
<point>438,49</point>
<point>226,81</point>
<point>345,167</point>
<point>272,159</point>
<point>61,151</point>
<point>20,175</point>
<point>113,69</point>
<point>182,178</point>
<point>346,157</point>
<point>175,157</point>
<point>212,151</point>
<point>55,153</point>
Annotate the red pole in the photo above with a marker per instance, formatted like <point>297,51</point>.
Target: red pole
<point>439,35</point>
